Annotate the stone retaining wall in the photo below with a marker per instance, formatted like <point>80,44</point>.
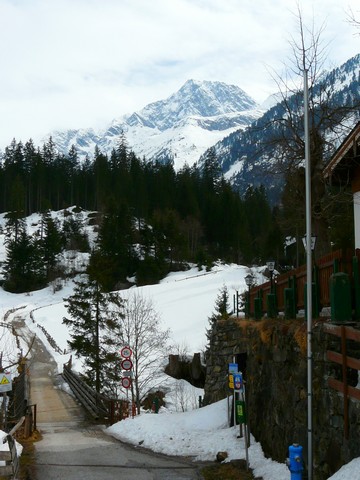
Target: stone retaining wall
<point>272,354</point>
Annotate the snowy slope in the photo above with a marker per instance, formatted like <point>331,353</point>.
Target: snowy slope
<point>184,300</point>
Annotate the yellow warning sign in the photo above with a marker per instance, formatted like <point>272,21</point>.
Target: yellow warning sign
<point>5,382</point>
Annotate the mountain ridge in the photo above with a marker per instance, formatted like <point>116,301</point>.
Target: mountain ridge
<point>177,129</point>
<point>247,156</point>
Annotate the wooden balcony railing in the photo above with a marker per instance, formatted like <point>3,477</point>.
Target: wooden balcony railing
<point>323,269</point>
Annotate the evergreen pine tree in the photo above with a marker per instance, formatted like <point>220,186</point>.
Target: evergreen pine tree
<point>23,267</point>
<point>74,234</point>
<point>52,242</point>
<point>89,310</point>
<point>221,310</point>
<point>114,257</point>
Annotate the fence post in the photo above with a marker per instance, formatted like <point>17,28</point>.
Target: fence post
<point>289,302</point>
<point>247,304</point>
<point>293,286</point>
<point>355,265</point>
<point>340,297</point>
<point>257,308</point>
<point>271,305</point>
<point>28,422</point>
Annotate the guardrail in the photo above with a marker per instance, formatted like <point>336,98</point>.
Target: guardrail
<point>98,406</point>
<point>10,457</point>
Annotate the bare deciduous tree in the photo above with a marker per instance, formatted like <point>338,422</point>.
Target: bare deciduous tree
<point>140,329</point>
<point>353,19</point>
<point>326,125</point>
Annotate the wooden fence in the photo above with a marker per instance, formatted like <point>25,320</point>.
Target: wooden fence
<point>323,269</point>
<point>98,406</point>
<point>10,456</point>
<point>345,333</point>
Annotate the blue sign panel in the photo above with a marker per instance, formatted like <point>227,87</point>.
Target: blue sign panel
<point>238,381</point>
<point>233,367</point>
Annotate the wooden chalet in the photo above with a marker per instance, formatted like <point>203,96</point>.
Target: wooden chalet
<point>344,169</point>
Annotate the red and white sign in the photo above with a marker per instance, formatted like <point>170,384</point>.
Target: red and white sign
<point>126,352</point>
<point>126,382</point>
<point>126,364</point>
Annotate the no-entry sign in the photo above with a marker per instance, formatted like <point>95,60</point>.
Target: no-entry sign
<point>126,352</point>
<point>126,382</point>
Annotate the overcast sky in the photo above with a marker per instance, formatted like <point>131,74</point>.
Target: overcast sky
<point>81,63</point>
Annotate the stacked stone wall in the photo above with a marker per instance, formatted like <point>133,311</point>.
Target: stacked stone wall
<point>274,357</point>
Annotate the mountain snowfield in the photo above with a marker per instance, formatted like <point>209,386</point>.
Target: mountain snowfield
<point>184,301</point>
<point>178,129</point>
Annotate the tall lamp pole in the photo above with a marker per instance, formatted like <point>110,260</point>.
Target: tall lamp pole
<point>271,268</point>
<point>308,273</point>
<point>249,281</point>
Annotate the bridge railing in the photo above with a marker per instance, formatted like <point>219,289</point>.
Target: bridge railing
<point>98,406</point>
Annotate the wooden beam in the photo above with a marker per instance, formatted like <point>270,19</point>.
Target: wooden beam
<point>337,358</point>
<point>337,385</point>
<point>345,382</point>
<point>351,333</point>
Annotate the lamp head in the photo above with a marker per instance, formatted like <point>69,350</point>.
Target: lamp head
<point>271,266</point>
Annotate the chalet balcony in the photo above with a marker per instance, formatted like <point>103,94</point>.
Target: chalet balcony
<point>345,261</point>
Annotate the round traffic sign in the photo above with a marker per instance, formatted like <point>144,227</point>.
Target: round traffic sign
<point>126,382</point>
<point>126,352</point>
<point>126,364</point>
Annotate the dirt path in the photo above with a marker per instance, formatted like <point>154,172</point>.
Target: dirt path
<point>71,448</point>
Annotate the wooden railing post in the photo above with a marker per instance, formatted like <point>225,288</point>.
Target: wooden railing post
<point>345,382</point>
<point>356,283</point>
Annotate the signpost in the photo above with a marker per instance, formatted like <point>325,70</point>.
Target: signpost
<point>236,384</point>
<point>126,365</point>
<point>240,411</point>
<point>5,382</point>
<point>126,382</point>
<point>233,368</point>
<point>126,352</point>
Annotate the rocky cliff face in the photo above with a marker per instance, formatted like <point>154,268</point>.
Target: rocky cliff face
<point>272,355</point>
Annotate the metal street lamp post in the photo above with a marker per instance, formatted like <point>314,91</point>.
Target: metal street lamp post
<point>308,274</point>
<point>249,281</point>
<point>271,268</point>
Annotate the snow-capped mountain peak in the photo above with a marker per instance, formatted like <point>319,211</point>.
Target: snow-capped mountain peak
<point>178,129</point>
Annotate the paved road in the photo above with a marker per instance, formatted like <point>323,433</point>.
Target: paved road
<point>72,448</point>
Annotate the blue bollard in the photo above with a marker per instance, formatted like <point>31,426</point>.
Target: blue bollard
<point>295,461</point>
